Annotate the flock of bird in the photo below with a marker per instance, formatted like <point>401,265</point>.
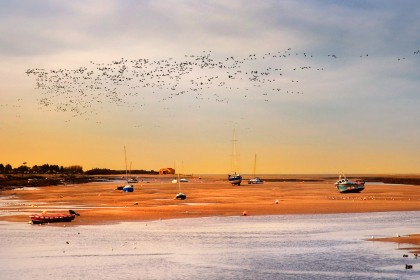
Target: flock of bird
<point>129,82</point>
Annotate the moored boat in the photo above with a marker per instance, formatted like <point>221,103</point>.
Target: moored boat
<point>346,186</point>
<point>44,218</point>
<point>181,196</point>
<point>255,180</point>
<point>128,188</point>
<point>235,179</point>
<point>133,180</point>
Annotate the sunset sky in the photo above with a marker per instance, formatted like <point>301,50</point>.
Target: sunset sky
<point>308,86</point>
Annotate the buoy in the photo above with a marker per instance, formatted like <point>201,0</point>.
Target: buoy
<point>277,201</point>
<point>244,213</point>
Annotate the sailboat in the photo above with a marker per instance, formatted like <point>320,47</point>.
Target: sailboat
<point>127,187</point>
<point>132,179</point>
<point>235,178</point>
<point>255,180</point>
<point>180,195</point>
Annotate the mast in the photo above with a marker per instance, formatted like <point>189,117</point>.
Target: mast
<point>255,163</point>
<point>179,182</point>
<point>126,170</point>
<point>234,160</point>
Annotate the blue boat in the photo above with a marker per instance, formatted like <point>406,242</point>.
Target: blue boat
<point>346,186</point>
<point>128,188</point>
<point>235,179</point>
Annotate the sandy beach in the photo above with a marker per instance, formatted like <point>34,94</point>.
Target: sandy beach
<point>153,199</point>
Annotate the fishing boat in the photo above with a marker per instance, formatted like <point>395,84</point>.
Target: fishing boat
<point>235,178</point>
<point>44,218</point>
<point>255,180</point>
<point>346,186</point>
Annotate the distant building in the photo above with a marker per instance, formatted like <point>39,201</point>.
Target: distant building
<point>166,170</point>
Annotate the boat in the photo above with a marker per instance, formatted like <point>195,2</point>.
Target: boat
<point>131,179</point>
<point>128,187</point>
<point>44,218</point>
<point>346,186</point>
<point>255,180</point>
<point>235,178</point>
<point>180,195</point>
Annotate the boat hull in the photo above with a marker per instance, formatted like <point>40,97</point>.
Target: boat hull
<point>181,196</point>
<point>255,180</point>
<point>53,218</point>
<point>128,188</point>
<point>350,188</point>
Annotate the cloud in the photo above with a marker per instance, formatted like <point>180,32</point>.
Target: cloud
<point>371,85</point>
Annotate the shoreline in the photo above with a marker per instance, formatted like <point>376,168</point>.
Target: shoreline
<point>411,239</point>
<point>153,199</point>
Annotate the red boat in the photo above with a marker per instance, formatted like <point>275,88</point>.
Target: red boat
<point>53,218</point>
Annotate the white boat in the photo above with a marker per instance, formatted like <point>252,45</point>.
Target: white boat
<point>132,180</point>
<point>255,180</point>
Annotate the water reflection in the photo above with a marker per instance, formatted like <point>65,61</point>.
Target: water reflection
<point>269,247</point>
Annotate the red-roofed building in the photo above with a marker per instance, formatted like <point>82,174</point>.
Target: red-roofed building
<point>166,170</point>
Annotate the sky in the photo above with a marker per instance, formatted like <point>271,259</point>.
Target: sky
<point>305,86</point>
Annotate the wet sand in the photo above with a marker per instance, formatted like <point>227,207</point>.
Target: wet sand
<point>412,240</point>
<point>101,203</point>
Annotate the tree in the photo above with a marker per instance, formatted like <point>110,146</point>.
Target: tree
<point>36,169</point>
<point>45,168</point>
<point>1,168</point>
<point>8,168</point>
<point>22,169</point>
<point>54,168</point>
<point>74,169</point>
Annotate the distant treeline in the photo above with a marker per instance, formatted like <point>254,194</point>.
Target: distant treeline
<point>105,171</point>
<point>56,169</point>
<point>40,169</point>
